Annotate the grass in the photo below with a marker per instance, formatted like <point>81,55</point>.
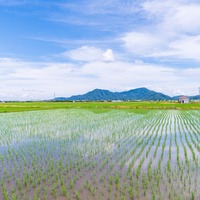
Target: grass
<point>96,107</point>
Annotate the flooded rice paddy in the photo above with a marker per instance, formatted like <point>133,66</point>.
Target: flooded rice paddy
<point>78,154</point>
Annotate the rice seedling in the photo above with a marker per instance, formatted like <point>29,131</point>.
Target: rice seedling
<point>78,154</point>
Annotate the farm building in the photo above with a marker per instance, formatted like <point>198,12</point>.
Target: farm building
<point>183,99</point>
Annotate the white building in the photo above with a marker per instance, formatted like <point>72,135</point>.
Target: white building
<point>183,99</point>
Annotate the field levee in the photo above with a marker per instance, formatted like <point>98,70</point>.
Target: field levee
<point>30,106</point>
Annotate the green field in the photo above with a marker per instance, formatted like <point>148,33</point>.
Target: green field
<point>96,153</point>
<point>96,106</point>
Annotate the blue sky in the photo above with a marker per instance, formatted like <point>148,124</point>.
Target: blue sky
<point>70,47</point>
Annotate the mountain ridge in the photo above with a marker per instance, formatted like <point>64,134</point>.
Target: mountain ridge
<point>143,94</point>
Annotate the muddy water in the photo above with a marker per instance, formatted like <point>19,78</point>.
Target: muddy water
<point>98,156</point>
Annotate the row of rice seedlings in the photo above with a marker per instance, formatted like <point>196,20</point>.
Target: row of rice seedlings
<point>74,156</point>
<point>180,169</point>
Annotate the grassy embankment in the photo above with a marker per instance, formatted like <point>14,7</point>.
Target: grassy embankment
<point>94,106</point>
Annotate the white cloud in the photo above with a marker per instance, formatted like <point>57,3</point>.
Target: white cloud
<point>173,30</point>
<point>90,54</point>
<point>187,47</point>
<point>108,55</point>
<point>159,9</point>
<point>85,53</point>
<point>32,80</point>
<point>185,19</point>
<point>141,43</point>
<point>123,75</point>
<point>22,78</point>
<point>127,73</point>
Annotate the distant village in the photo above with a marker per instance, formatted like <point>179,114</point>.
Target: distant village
<point>181,99</point>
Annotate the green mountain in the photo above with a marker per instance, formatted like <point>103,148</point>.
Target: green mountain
<point>106,95</point>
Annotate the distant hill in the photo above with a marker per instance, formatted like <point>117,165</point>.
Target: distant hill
<point>106,95</point>
<point>197,97</point>
<point>143,94</point>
